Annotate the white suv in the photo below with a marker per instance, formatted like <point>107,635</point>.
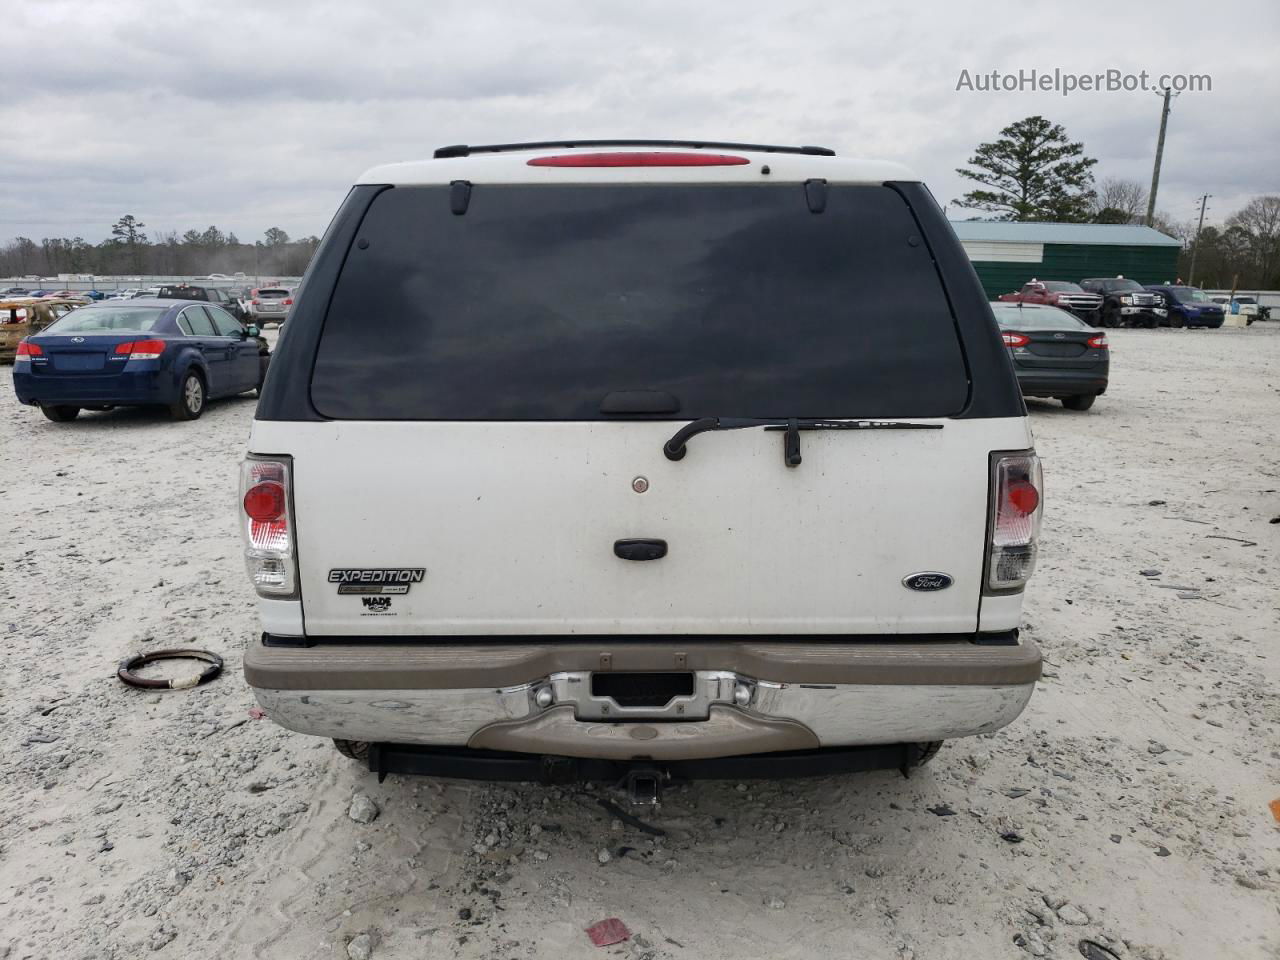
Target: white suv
<point>627,459</point>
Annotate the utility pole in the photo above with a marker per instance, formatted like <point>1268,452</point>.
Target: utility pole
<point>1195,244</point>
<point>1155,173</point>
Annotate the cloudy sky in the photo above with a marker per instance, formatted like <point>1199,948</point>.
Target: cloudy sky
<point>256,114</point>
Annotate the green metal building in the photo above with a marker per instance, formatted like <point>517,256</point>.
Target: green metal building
<point>1007,255</point>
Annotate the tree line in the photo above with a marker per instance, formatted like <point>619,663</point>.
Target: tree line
<point>130,251</point>
<point>1034,172</point>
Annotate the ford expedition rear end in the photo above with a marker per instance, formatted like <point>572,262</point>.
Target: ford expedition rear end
<point>694,459</point>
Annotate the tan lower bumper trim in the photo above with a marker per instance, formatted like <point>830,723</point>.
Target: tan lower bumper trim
<point>373,666</point>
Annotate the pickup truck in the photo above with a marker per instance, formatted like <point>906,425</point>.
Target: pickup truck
<point>1061,294</point>
<point>1126,303</point>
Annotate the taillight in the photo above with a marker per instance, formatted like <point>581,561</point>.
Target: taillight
<point>257,302</point>
<point>1017,486</point>
<point>635,159</point>
<point>1015,339</point>
<point>28,349</point>
<point>141,349</point>
<point>1099,342</point>
<point>267,525</point>
<point>265,501</point>
<point>288,302</point>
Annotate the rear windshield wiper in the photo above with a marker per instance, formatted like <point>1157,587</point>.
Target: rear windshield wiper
<point>675,448</point>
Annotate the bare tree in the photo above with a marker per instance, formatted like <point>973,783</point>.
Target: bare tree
<point>1119,201</point>
<point>1259,225</point>
<point>1182,230</point>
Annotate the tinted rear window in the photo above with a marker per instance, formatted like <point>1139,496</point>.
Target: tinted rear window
<point>273,294</point>
<point>108,320</point>
<point>541,300</point>
<point>1043,318</point>
<point>182,293</point>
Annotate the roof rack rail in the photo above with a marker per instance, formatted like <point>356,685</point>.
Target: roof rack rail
<point>464,150</point>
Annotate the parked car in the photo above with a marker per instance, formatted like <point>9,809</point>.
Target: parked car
<point>271,303</point>
<point>173,353</point>
<point>1189,306</point>
<point>1126,302</point>
<point>1062,294</point>
<point>214,295</point>
<point>1244,305</point>
<point>1054,353</point>
<point>516,521</point>
<point>21,318</point>
<point>15,292</point>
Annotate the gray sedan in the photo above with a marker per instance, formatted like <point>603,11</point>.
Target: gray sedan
<point>1054,354</point>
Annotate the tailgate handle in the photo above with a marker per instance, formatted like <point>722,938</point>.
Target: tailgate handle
<point>640,549</point>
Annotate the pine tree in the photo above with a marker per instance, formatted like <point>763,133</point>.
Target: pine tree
<point>1033,172</point>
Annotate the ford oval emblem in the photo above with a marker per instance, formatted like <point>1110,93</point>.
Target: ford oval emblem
<point>77,339</point>
<point>927,581</point>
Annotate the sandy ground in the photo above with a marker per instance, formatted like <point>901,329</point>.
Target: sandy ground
<point>1127,807</point>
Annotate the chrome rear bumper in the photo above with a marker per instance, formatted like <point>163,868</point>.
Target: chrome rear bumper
<point>717,720</point>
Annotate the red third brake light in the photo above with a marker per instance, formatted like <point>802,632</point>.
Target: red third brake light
<point>264,501</point>
<point>1015,339</point>
<point>636,159</point>
<point>1099,341</point>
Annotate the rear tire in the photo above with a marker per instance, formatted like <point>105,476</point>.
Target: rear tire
<point>1111,318</point>
<point>927,752</point>
<point>60,414</point>
<point>353,749</point>
<point>1175,320</point>
<point>1081,401</point>
<point>190,401</point>
<point>263,363</point>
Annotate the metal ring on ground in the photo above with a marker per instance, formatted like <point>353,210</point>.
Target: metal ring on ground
<point>127,666</point>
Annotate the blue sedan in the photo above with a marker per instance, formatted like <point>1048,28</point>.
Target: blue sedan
<point>177,354</point>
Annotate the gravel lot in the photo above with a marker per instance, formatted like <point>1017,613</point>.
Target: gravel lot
<point>1127,807</point>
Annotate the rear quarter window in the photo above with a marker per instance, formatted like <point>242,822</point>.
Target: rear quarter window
<point>541,300</point>
<point>198,322</point>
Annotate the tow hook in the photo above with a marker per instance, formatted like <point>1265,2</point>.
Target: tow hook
<point>644,786</point>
